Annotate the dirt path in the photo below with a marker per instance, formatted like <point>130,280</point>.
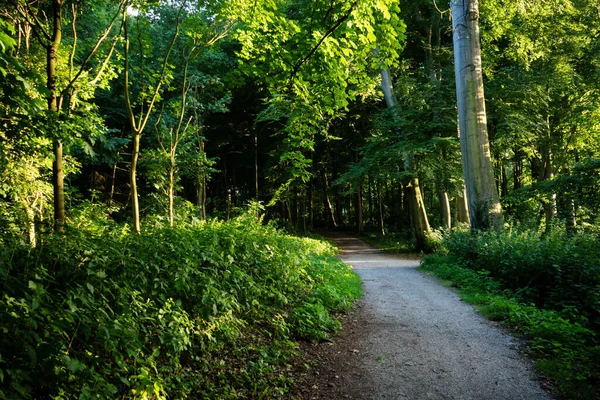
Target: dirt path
<point>412,338</point>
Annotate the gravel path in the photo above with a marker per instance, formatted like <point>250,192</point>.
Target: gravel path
<point>415,339</point>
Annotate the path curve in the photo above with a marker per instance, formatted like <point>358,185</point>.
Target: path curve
<point>418,340</point>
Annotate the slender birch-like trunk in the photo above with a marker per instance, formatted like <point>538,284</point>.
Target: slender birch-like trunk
<point>462,209</point>
<point>413,190</point>
<point>484,205</point>
<point>58,176</point>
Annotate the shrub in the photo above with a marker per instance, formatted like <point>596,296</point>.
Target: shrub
<point>554,271</point>
<point>206,311</point>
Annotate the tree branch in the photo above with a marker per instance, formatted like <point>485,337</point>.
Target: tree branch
<point>329,32</point>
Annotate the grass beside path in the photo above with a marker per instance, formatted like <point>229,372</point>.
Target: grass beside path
<point>394,243</point>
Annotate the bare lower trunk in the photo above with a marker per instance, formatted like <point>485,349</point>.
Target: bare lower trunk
<point>328,207</point>
<point>484,206</point>
<point>370,195</point>
<point>171,194</point>
<point>359,211</point>
<point>445,209</point>
<point>379,202</point>
<point>135,205</point>
<point>417,213</point>
<point>53,106</point>
<point>59,186</point>
<point>462,207</point>
<point>416,204</point>
<point>31,223</point>
<point>112,186</point>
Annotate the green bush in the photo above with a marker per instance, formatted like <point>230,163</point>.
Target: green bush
<point>554,270</point>
<point>204,311</point>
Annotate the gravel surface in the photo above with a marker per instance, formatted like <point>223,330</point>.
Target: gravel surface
<point>412,338</point>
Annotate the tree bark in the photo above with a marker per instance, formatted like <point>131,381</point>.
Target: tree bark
<point>330,215</point>
<point>416,205</point>
<point>462,207</point>
<point>445,209</point>
<point>135,204</point>
<point>58,176</point>
<point>171,195</point>
<point>380,206</point>
<point>359,210</point>
<point>370,194</point>
<point>484,205</point>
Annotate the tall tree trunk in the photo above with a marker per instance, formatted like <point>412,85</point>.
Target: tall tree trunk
<point>518,170</point>
<point>503,182</point>
<point>462,208</point>
<point>133,182</point>
<point>58,176</point>
<point>445,209</point>
<point>484,205</point>
<point>171,194</point>
<point>380,206</point>
<point>112,185</point>
<point>547,173</point>
<point>201,181</point>
<point>416,204</point>
<point>138,124</point>
<point>370,194</point>
<point>359,210</point>
<point>327,201</point>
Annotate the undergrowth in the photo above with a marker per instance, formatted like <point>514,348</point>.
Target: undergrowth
<point>211,310</point>
<point>393,242</point>
<point>546,286</point>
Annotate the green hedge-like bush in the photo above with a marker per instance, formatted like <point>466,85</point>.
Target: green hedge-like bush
<point>554,271</point>
<point>207,311</point>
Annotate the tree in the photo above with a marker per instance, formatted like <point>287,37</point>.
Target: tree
<point>147,96</point>
<point>413,190</point>
<point>484,205</point>
<point>62,93</point>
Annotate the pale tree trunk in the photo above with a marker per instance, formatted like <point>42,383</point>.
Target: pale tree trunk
<point>413,191</point>
<point>370,194</point>
<point>445,209</point>
<point>138,123</point>
<point>462,208</point>
<point>484,205</point>
<point>328,207</point>
<point>58,176</point>
<point>171,195</point>
<point>135,205</point>
<point>380,205</point>
<point>547,173</point>
<point>359,210</point>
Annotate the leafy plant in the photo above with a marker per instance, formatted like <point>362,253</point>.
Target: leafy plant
<point>210,310</point>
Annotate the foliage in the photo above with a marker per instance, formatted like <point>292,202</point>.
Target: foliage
<point>204,311</point>
<point>394,242</point>
<point>553,270</point>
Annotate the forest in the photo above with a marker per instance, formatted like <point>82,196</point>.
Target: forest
<point>164,164</point>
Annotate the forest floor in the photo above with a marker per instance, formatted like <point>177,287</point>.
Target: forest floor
<point>412,338</point>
